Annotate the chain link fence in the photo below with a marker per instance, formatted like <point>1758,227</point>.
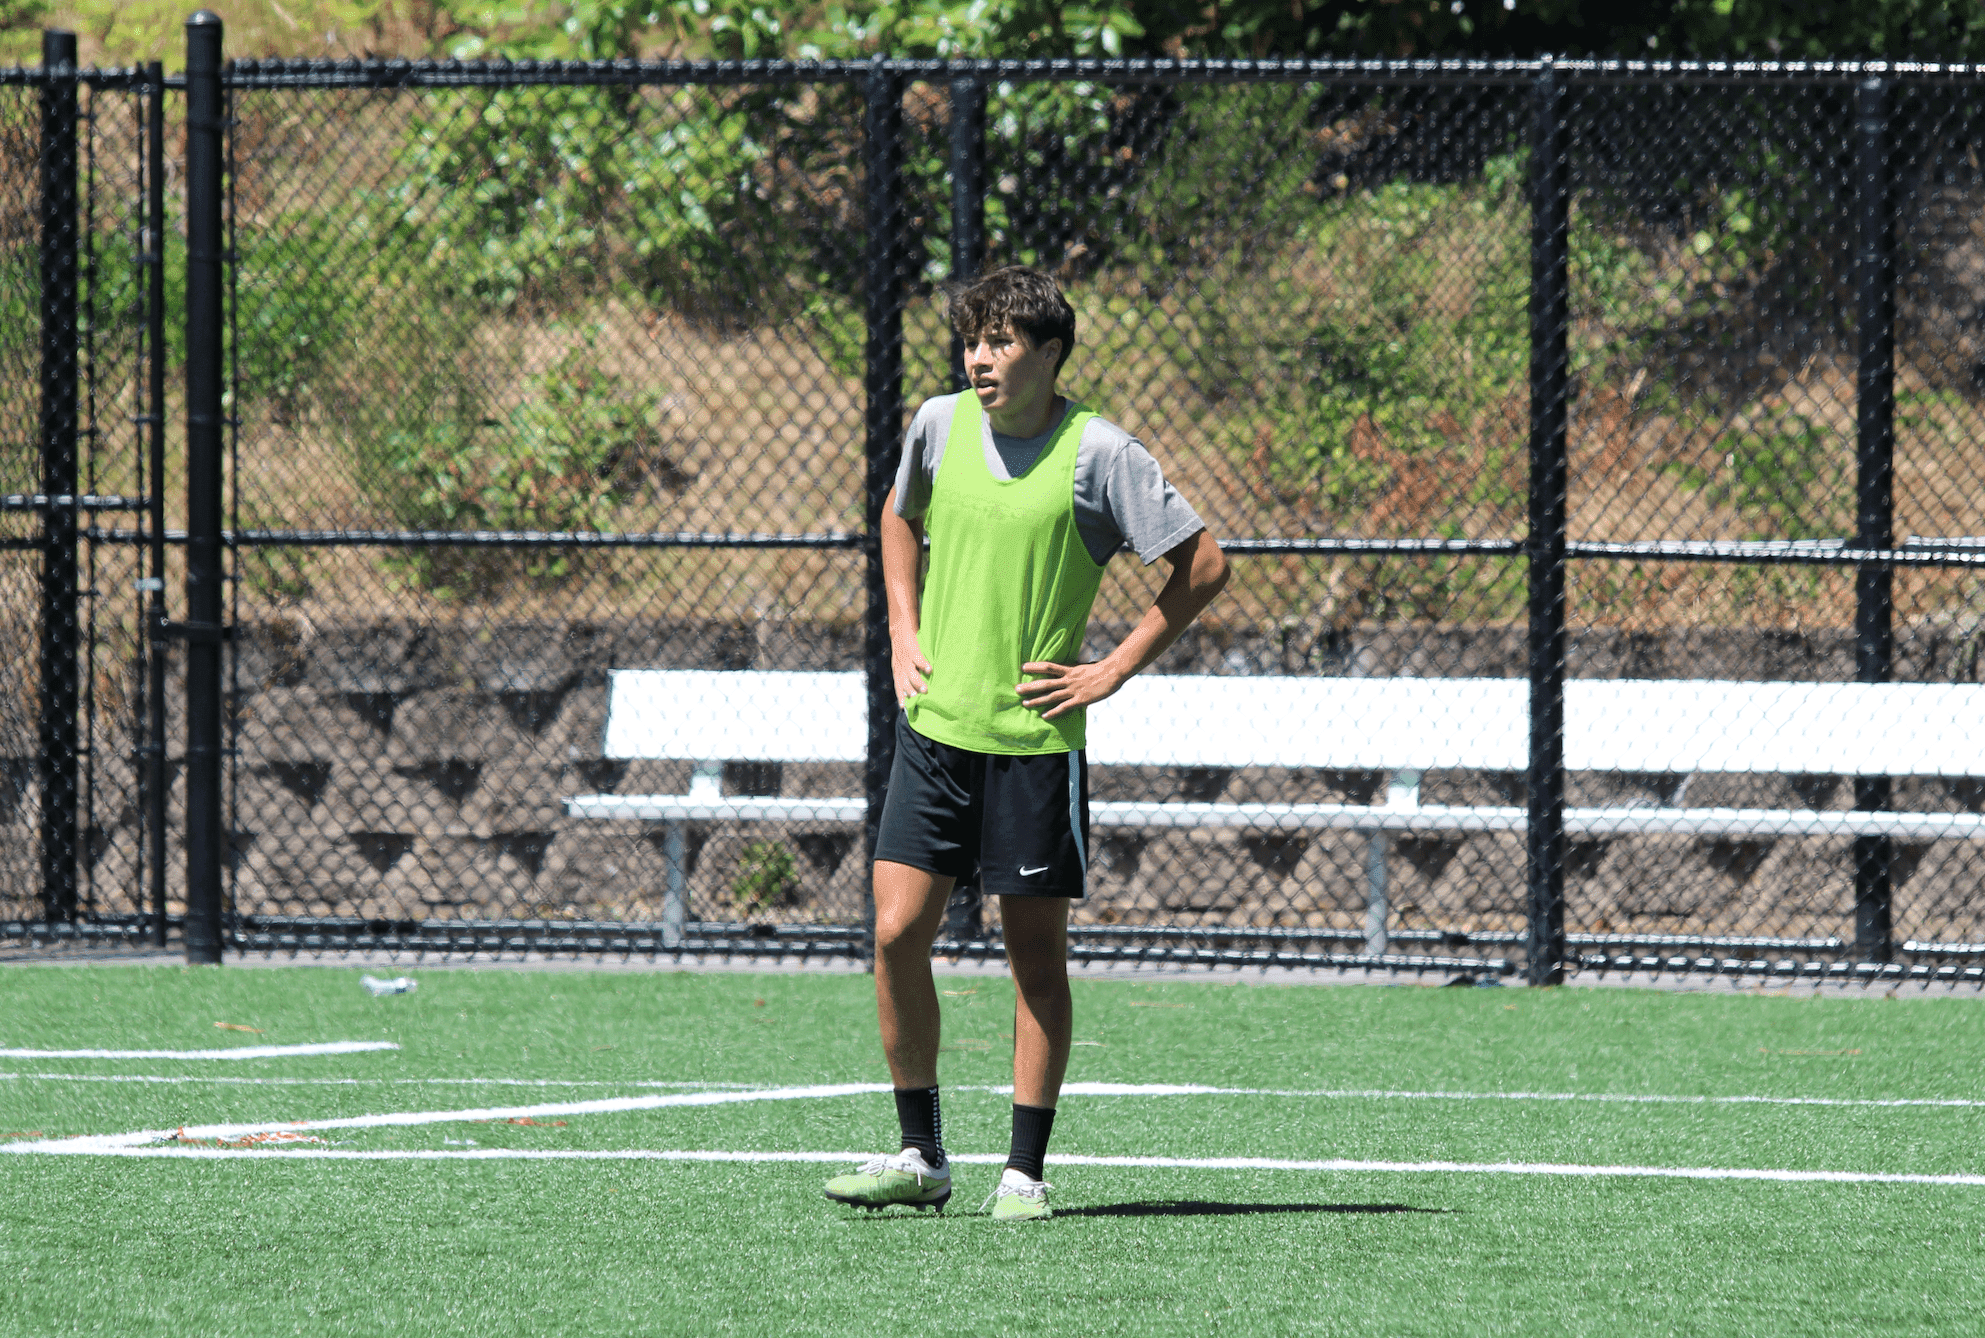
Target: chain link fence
<point>1589,441</point>
<point>1774,337</point>
<point>77,421</point>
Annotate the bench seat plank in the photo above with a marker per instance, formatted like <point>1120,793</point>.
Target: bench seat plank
<point>1842,729</point>
<point>1377,724</point>
<point>757,715</point>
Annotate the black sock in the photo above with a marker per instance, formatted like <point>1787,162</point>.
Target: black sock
<point>923,1126</point>
<point>1031,1127</point>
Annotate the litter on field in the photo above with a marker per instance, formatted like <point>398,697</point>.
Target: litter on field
<point>397,985</point>
<point>260,1139</point>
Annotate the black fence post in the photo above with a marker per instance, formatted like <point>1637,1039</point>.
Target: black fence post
<point>1874,520</point>
<point>205,837</point>
<point>968,195</point>
<point>57,742</point>
<point>882,135</point>
<point>1550,316</point>
<point>157,771</point>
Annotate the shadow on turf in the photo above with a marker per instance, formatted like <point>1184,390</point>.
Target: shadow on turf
<point>1195,1208</point>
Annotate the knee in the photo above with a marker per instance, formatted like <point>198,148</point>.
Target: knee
<point>898,935</point>
<point>1041,981</point>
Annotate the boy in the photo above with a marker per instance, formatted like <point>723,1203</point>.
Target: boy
<point>1025,497</point>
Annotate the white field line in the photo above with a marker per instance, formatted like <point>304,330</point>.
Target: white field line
<point>1068,1089</point>
<point>1338,1165</point>
<point>135,1144</point>
<point>1385,1094</point>
<point>606,1106</point>
<point>237,1052</point>
<point>204,1081</point>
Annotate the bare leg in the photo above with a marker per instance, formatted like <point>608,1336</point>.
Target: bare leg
<point>1037,950</point>
<point>909,904</point>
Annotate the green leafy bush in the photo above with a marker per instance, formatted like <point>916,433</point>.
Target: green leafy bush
<point>1407,356</point>
<point>297,323</point>
<point>766,876</point>
<point>1782,472</point>
<point>580,444</point>
<point>535,198</point>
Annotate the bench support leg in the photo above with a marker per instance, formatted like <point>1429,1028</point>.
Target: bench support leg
<point>1376,909</point>
<point>675,905</point>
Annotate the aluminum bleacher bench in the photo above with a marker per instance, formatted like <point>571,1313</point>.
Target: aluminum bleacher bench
<point>1400,727</point>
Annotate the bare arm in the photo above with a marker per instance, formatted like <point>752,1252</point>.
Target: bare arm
<point>902,554</point>
<point>1199,572</point>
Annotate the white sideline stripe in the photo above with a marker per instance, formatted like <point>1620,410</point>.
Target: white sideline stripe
<point>240,1052</point>
<point>205,1081</point>
<point>1068,1089</point>
<point>1384,1094</point>
<point>994,1159</point>
<point>605,1106</point>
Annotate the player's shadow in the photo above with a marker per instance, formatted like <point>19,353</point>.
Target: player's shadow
<point>1197,1208</point>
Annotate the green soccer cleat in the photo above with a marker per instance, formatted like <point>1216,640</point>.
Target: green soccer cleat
<point>904,1178</point>
<point>1018,1199</point>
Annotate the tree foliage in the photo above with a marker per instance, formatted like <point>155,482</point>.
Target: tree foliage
<point>20,22</point>
<point>122,30</point>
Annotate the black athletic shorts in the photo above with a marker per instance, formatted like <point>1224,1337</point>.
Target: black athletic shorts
<point>1022,823</point>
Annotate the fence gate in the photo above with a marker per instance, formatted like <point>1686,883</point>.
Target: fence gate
<point>84,775</point>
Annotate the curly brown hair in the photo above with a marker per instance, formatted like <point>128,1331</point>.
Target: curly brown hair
<point>1014,297</point>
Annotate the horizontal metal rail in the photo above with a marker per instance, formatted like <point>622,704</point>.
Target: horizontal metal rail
<point>132,930</point>
<point>1852,973</point>
<point>41,501</point>
<point>1267,934</point>
<point>1211,947</point>
<point>1758,942</point>
<point>1157,955</point>
<point>1456,938</point>
<point>531,539</point>
<point>1134,945</point>
<point>278,73</point>
<point>113,77</point>
<point>268,74</point>
<point>490,539</point>
<point>1798,552</point>
<point>1372,547</point>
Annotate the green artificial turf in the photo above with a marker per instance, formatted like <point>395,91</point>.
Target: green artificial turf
<point>285,1245</point>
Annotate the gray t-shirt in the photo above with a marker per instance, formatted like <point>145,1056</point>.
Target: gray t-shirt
<point>1121,497</point>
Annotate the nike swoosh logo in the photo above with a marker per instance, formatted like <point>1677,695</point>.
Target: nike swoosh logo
<point>1029,873</point>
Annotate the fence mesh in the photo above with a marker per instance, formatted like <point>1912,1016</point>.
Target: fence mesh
<point>604,311</point>
<point>20,297</point>
<point>113,843</point>
<point>1307,302</point>
<point>1718,330</point>
<point>641,311</point>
